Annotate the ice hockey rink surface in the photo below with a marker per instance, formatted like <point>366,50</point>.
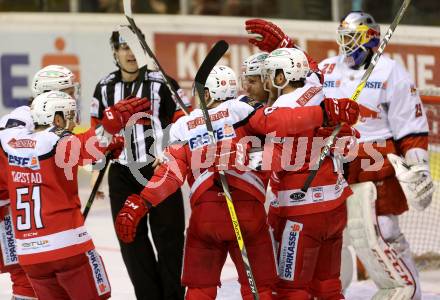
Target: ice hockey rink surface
<point>99,225</point>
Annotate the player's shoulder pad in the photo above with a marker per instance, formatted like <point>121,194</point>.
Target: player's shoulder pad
<point>154,76</point>
<point>250,101</point>
<point>110,78</point>
<point>61,132</point>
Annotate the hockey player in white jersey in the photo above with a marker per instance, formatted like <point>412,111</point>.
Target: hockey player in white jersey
<point>392,121</point>
<point>210,236</point>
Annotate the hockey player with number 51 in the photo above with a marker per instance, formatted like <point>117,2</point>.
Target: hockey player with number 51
<point>210,235</point>
<point>53,246</point>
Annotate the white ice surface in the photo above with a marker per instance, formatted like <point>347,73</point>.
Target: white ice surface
<point>99,225</point>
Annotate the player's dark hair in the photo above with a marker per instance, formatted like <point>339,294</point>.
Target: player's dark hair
<point>295,84</point>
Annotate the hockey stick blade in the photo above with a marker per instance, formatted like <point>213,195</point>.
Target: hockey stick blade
<point>210,61</point>
<point>358,90</point>
<point>133,43</point>
<point>205,68</point>
<point>208,64</point>
<point>175,96</point>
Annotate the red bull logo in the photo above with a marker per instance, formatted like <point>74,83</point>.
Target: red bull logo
<point>365,112</point>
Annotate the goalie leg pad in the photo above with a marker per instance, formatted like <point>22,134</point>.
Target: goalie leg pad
<point>391,233</point>
<point>348,262</point>
<point>380,258</point>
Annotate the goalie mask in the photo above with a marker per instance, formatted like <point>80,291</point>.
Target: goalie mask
<point>221,84</point>
<point>45,106</point>
<point>357,33</point>
<point>292,62</point>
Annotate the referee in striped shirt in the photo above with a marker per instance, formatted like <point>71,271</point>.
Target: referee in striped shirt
<point>152,279</point>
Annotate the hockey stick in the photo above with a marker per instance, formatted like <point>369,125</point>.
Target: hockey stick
<point>210,61</point>
<point>96,186</point>
<point>357,92</point>
<point>108,155</point>
<point>128,15</point>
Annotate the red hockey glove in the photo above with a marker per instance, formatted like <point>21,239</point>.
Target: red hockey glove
<point>272,37</point>
<point>135,207</point>
<point>116,146</point>
<point>116,116</point>
<point>338,111</point>
<point>345,140</point>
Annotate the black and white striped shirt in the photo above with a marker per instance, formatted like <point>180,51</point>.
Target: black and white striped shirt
<point>112,89</point>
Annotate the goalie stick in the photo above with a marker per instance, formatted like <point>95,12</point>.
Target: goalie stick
<point>128,15</point>
<point>210,61</point>
<point>357,92</point>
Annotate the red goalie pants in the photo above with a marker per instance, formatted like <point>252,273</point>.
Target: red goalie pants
<point>80,277</point>
<point>210,236</point>
<point>309,254</point>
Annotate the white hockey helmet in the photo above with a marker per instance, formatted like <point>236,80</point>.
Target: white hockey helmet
<point>44,107</point>
<point>253,65</point>
<point>52,78</point>
<point>222,84</point>
<point>291,61</point>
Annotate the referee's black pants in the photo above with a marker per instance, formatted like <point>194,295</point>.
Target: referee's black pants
<point>152,279</point>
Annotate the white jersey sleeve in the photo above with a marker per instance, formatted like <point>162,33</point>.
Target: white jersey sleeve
<point>406,114</point>
<point>21,116</point>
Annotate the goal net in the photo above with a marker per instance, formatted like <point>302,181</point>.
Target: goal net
<point>422,229</point>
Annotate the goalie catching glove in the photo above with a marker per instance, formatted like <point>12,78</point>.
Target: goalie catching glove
<point>415,180</point>
<point>134,209</point>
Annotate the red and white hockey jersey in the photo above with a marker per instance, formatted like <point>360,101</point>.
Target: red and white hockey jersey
<point>390,106</point>
<point>391,110</point>
<point>233,122</point>
<point>41,176</point>
<point>328,190</point>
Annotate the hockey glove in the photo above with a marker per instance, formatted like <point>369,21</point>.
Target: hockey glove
<point>337,111</point>
<point>415,180</point>
<point>345,140</point>
<point>270,36</point>
<point>134,209</point>
<point>116,146</point>
<point>116,116</point>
